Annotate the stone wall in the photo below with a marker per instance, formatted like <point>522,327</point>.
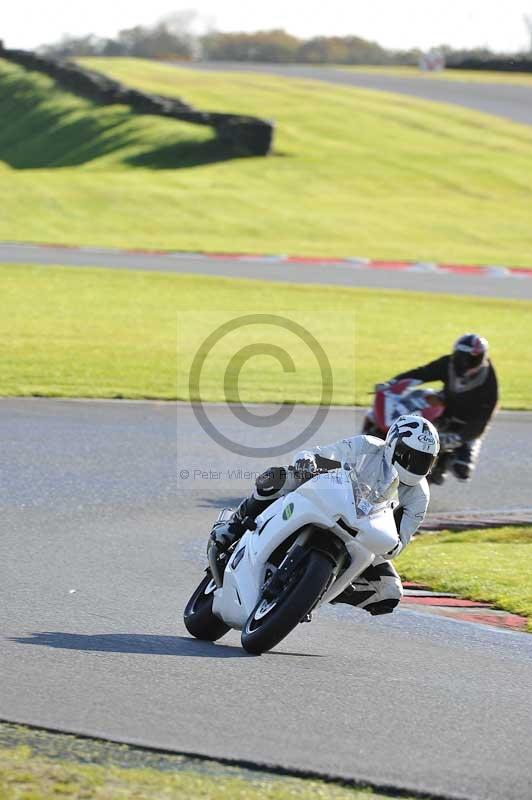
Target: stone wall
<point>249,135</point>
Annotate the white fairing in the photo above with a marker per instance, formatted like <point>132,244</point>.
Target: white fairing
<point>321,502</point>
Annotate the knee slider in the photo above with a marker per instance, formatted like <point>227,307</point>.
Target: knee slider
<point>390,589</point>
<point>270,482</point>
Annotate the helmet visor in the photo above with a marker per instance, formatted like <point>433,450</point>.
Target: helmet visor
<point>414,461</point>
<point>463,361</point>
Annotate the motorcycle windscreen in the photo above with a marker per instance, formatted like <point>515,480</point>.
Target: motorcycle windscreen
<point>375,482</point>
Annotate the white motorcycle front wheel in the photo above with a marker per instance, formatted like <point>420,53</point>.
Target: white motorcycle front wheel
<point>273,618</point>
<point>199,619</point>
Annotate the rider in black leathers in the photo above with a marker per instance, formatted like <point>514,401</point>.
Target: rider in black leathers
<point>470,395</point>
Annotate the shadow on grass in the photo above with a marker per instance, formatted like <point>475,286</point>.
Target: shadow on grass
<point>43,130</point>
<point>184,154</point>
<point>82,142</point>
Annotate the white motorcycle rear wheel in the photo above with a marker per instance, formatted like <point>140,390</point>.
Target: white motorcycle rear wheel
<point>273,619</point>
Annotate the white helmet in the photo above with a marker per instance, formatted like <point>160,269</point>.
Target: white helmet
<point>412,445</point>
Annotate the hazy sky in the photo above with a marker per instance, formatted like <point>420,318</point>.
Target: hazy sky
<point>393,23</point>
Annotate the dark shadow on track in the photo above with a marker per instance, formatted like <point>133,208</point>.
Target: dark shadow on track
<point>293,655</point>
<point>143,644</point>
<point>227,501</point>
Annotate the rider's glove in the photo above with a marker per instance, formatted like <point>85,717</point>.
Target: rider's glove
<point>223,534</point>
<point>394,552</point>
<point>305,468</point>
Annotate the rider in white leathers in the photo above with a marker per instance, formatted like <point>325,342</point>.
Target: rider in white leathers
<point>411,446</point>
<point>379,589</point>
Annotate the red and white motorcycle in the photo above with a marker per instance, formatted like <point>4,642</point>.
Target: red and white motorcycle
<point>402,397</point>
<point>405,397</point>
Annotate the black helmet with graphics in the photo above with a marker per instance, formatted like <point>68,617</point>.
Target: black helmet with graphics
<point>469,354</point>
<point>412,446</point>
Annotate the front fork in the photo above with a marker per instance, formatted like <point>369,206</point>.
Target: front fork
<point>360,559</point>
<point>295,555</point>
<point>217,561</point>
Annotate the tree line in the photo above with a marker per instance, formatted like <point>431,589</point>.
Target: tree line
<point>175,37</point>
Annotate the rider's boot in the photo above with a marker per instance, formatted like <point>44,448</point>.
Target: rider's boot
<point>270,485</point>
<point>231,525</point>
<point>440,469</point>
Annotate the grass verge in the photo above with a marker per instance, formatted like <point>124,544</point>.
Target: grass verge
<point>111,333</point>
<point>25,776</point>
<point>354,172</point>
<point>490,565</point>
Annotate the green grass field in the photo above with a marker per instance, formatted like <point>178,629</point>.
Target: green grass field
<point>354,173</point>
<point>110,333</point>
<point>26,776</point>
<point>490,565</point>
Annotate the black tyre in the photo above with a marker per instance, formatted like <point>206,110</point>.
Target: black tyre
<point>271,621</point>
<point>198,616</point>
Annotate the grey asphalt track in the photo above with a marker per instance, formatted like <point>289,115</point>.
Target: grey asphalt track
<point>103,541</point>
<point>480,285</point>
<point>501,99</point>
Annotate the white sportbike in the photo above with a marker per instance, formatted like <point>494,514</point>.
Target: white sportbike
<point>307,547</point>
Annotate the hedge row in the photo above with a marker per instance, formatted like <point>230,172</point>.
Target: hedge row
<point>243,134</point>
<point>494,64</point>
